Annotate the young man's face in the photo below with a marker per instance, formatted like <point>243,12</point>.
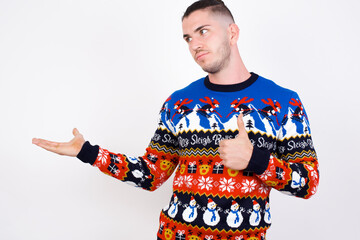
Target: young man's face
<point>207,37</point>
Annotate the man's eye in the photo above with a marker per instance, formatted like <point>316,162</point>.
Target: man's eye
<point>203,31</point>
<point>188,39</point>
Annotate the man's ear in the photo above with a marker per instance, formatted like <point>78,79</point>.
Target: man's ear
<point>234,32</point>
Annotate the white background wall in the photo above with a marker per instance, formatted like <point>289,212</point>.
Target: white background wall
<point>106,67</point>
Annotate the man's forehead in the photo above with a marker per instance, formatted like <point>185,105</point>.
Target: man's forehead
<point>197,19</point>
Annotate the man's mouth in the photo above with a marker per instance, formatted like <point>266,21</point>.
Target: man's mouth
<point>200,55</point>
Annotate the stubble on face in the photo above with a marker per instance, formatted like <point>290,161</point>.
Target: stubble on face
<point>221,61</point>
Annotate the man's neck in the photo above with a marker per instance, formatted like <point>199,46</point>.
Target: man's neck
<point>235,72</point>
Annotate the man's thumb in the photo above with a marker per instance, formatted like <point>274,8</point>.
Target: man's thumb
<point>241,125</point>
<point>75,132</point>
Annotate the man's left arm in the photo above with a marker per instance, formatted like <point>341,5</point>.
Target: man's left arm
<point>293,169</point>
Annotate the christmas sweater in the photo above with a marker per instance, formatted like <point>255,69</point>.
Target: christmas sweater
<point>209,200</point>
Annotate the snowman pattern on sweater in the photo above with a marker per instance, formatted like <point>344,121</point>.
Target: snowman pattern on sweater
<point>267,217</point>
<point>173,210</point>
<point>211,215</point>
<point>190,213</point>
<point>255,216</point>
<point>234,218</point>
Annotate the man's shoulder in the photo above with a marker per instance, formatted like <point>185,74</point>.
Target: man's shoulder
<point>190,88</point>
<point>271,85</point>
<point>266,82</point>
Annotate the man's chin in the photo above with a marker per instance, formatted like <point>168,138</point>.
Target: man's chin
<point>210,70</point>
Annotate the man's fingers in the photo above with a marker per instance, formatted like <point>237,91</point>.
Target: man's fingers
<point>48,145</point>
<point>35,140</point>
<point>241,125</point>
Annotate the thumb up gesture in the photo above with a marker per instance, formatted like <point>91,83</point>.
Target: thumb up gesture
<point>236,153</point>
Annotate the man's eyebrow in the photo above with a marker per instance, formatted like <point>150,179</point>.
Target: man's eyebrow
<point>196,30</point>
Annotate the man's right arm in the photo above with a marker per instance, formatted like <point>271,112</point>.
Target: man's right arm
<point>148,171</point>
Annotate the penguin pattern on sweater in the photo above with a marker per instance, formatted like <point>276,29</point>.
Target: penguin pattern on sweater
<point>209,200</point>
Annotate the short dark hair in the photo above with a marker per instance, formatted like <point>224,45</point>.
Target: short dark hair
<point>216,6</point>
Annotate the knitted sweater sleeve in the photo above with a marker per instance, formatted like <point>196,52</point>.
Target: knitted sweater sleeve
<point>149,171</point>
<point>293,168</point>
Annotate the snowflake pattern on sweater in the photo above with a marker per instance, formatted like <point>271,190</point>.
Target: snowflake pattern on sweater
<point>211,201</point>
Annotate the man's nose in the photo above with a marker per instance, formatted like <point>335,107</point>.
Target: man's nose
<point>196,45</point>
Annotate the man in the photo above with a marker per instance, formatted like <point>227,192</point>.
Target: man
<point>233,134</point>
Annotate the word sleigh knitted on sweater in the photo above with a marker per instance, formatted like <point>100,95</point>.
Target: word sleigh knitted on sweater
<point>209,200</point>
